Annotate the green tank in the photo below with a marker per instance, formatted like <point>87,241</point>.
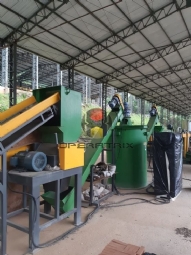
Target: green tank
<point>130,156</point>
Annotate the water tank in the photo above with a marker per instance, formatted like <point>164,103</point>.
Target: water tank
<point>130,156</point>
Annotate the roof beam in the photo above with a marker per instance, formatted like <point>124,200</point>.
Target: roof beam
<point>168,37</point>
<point>163,98</point>
<point>154,18</point>
<point>108,28</point>
<point>162,101</point>
<point>183,19</point>
<point>150,58</point>
<point>113,39</point>
<point>156,76</point>
<point>63,40</point>
<point>30,23</point>
<point>104,25</point>
<point>175,85</point>
<point>52,47</point>
<point>144,60</point>
<point>60,38</point>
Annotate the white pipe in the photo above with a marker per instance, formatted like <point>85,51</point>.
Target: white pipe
<point>110,172</point>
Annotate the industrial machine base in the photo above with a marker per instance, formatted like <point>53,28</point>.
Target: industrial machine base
<point>33,180</point>
<point>102,179</point>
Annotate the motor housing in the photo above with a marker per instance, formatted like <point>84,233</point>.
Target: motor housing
<point>29,160</point>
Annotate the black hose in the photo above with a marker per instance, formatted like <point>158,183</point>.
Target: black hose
<point>155,201</point>
<point>61,237</point>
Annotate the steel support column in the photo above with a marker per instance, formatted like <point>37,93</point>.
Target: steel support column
<point>89,90</point>
<point>142,112</point>
<point>168,116</point>
<point>100,95</point>
<point>131,102</point>
<point>35,72</point>
<point>84,90</point>
<point>174,121</point>
<point>181,119</point>
<point>13,75</point>
<point>161,115</point>
<point>3,205</point>
<point>61,78</point>
<point>58,76</point>
<point>4,81</point>
<point>104,101</point>
<point>104,111</point>
<point>125,96</point>
<point>177,122</point>
<point>138,105</point>
<point>171,118</point>
<point>71,78</point>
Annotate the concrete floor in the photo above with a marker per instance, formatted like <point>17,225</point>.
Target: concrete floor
<point>152,226</point>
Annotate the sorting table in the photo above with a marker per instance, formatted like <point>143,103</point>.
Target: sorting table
<point>32,181</point>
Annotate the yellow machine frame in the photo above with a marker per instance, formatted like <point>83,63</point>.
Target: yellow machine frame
<point>17,108</point>
<point>186,137</point>
<point>27,115</point>
<point>71,155</point>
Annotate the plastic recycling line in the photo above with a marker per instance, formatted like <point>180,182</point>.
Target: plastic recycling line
<point>62,164</point>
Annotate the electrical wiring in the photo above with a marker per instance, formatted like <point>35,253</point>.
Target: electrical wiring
<point>155,201</point>
<point>71,231</point>
<point>35,209</point>
<point>142,200</point>
<point>186,179</point>
<point>129,193</point>
<point>25,193</point>
<point>160,200</point>
<point>61,237</point>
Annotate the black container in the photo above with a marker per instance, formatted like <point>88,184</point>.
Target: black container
<point>167,163</point>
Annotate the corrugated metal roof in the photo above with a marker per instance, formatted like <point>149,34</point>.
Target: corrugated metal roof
<point>140,46</point>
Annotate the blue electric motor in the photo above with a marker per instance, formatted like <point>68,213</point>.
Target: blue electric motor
<point>29,160</point>
<point>127,111</point>
<point>114,102</point>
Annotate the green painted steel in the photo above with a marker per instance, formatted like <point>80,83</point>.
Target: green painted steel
<point>158,129</point>
<point>92,152</point>
<point>131,156</point>
<point>151,125</point>
<point>67,121</point>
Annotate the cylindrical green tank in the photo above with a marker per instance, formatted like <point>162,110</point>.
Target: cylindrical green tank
<point>130,156</point>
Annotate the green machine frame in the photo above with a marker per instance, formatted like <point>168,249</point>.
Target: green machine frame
<point>67,120</point>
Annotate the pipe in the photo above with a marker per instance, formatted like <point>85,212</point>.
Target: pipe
<point>110,172</point>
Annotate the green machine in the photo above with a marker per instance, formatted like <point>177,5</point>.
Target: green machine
<point>131,149</point>
<point>131,156</point>
<point>67,120</point>
<point>92,152</point>
<point>66,124</point>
